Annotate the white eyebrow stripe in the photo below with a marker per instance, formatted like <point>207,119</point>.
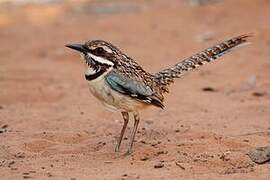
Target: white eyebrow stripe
<point>101,60</point>
<point>107,49</point>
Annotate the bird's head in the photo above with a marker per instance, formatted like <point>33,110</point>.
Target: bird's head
<point>97,53</point>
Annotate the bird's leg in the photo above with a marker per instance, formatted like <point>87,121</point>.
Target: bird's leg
<point>126,118</point>
<point>136,123</point>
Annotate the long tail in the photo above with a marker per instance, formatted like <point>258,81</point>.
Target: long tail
<point>167,76</point>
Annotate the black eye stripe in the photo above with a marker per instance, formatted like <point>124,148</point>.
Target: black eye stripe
<point>98,51</point>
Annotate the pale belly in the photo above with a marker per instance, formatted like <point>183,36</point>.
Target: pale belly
<point>112,99</point>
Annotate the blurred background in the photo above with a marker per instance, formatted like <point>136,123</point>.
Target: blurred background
<point>51,126</point>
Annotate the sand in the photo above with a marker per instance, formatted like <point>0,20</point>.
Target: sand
<point>53,128</point>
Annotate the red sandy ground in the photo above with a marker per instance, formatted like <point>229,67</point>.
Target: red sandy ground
<point>57,130</point>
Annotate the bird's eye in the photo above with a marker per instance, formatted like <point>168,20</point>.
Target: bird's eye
<point>99,50</point>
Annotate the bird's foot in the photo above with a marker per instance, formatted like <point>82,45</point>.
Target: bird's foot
<point>116,148</point>
<point>129,152</point>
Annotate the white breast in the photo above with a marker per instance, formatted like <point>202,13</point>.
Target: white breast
<point>111,98</point>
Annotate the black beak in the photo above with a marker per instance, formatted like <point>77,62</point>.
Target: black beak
<point>78,47</point>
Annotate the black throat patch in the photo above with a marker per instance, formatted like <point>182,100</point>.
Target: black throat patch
<point>91,77</point>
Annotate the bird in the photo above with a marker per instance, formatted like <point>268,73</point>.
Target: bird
<point>121,84</point>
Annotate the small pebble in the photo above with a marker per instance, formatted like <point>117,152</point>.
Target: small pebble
<point>11,163</point>
<point>4,126</point>
<point>159,165</point>
<point>179,165</point>
<point>144,158</point>
<point>49,174</point>
<point>258,94</point>
<point>20,155</point>
<point>143,142</point>
<point>208,89</point>
<point>260,155</point>
<point>107,162</point>
<point>162,152</point>
<point>27,177</point>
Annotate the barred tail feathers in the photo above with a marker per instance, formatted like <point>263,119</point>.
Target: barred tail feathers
<point>167,76</point>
